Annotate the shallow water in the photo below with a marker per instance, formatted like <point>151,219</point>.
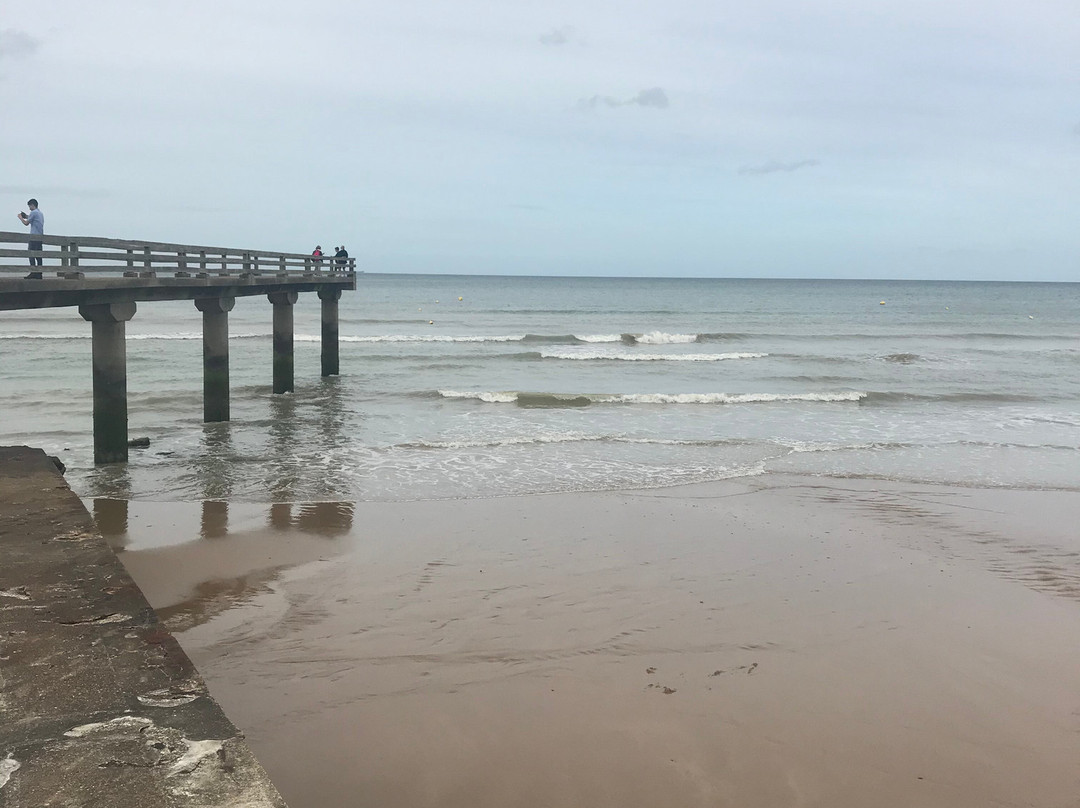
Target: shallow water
<point>527,385</point>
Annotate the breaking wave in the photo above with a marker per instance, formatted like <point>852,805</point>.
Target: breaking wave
<point>634,357</point>
<point>650,338</point>
<point>180,335</point>
<point>523,399</point>
<point>659,338</point>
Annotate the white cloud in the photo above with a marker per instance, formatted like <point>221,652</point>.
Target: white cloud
<point>653,97</point>
<point>776,167</point>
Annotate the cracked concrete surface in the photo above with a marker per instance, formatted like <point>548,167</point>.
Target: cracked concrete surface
<point>98,704</point>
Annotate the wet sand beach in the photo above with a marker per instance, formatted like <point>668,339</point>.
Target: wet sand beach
<point>778,641</point>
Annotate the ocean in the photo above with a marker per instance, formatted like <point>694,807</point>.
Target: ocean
<point>477,386</point>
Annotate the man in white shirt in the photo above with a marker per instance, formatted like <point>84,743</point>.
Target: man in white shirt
<point>36,222</point>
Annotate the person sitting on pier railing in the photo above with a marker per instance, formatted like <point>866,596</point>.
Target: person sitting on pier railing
<point>36,222</point>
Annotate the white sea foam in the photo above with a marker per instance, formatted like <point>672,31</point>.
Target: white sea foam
<point>491,398</point>
<point>45,336</point>
<point>180,335</point>
<point>463,338</point>
<point>510,397</point>
<point>190,335</point>
<point>520,440</point>
<point>814,447</point>
<point>638,357</point>
<point>653,338</point>
<point>601,338</point>
<point>660,338</point>
<point>419,338</point>
<point>729,398</point>
<point>565,437</point>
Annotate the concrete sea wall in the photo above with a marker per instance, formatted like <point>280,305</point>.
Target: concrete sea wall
<point>98,704</point>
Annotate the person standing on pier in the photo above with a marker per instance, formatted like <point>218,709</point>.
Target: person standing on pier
<point>317,254</point>
<point>36,222</point>
<point>341,258</point>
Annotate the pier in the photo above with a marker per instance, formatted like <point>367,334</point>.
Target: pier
<point>106,279</point>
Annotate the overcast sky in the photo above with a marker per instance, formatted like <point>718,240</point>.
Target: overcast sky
<point>774,138</point>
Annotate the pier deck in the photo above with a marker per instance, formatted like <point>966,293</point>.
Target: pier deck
<point>60,292</point>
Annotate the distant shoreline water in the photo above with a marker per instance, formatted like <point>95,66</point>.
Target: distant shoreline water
<point>535,385</point>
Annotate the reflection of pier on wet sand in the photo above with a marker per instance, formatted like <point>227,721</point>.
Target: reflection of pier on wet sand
<point>202,558</point>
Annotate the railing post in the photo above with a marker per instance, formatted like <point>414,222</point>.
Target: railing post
<point>224,265</point>
<point>63,256</point>
<point>130,258</point>
<point>73,251</point>
<point>202,261</point>
<point>181,265</point>
<point>148,267</point>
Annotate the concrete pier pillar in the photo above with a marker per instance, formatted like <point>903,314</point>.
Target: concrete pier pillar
<point>283,340</point>
<point>110,379</point>
<point>215,318</point>
<point>330,298</point>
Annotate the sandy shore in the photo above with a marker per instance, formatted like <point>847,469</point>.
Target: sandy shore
<point>774,642</point>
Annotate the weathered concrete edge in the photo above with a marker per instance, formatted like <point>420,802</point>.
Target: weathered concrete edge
<point>98,704</point>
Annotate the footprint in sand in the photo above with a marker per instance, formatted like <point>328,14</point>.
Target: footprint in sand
<point>748,668</point>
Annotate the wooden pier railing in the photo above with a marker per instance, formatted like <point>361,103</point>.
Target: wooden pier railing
<point>105,256</point>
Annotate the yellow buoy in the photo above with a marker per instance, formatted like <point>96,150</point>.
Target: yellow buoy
<point>459,297</point>
<point>882,303</point>
<point>431,322</point>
